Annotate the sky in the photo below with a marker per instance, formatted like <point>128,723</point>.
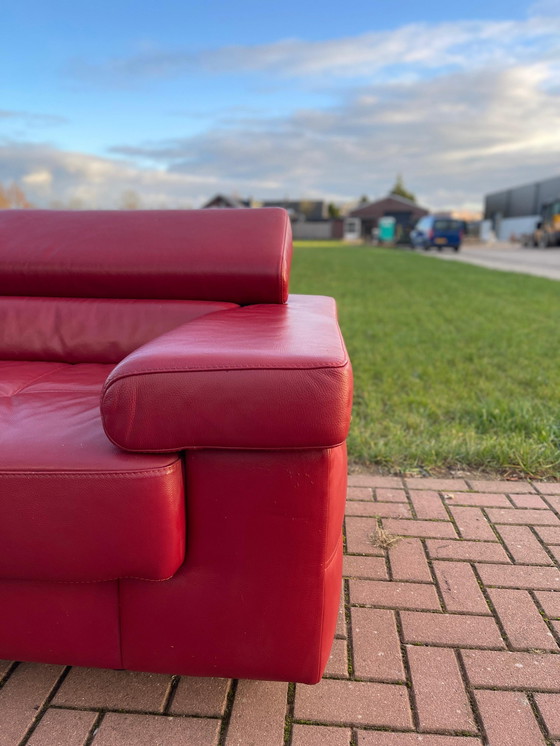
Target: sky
<point>178,101</point>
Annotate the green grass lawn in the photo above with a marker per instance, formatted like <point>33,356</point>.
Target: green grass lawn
<point>455,366</point>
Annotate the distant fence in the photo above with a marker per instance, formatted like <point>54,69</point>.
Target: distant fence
<point>312,230</point>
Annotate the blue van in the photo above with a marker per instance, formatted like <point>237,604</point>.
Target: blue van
<point>439,232</point>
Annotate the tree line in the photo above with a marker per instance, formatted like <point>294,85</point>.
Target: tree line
<point>13,196</point>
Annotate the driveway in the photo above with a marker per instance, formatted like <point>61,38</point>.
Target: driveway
<point>508,258</point>
<point>448,637</point>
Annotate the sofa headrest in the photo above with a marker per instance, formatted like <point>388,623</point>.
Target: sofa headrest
<point>235,255</point>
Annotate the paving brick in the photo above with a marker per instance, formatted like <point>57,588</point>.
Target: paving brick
<point>113,690</point>
<point>520,576</point>
<point>408,561</point>
<point>451,630</point>
<point>508,719</point>
<point>477,499</point>
<point>521,620</point>
<point>371,480</point>
<point>4,668</point>
<point>394,595</point>
<point>320,735</point>
<point>432,529</point>
<point>23,694</point>
<point>555,551</point>
<point>337,665</point>
<point>472,524</point>
<point>377,738</point>
<point>459,587</point>
<point>556,626</point>
<point>427,483</point>
<point>491,485</point>
<point>376,645</point>
<point>550,535</point>
<point>132,730</point>
<point>548,488</point>
<point>549,707</point>
<point>63,728</point>
<point>463,549</point>
<point>358,536</point>
<point>554,502</point>
<point>371,568</point>
<point>526,517</point>
<point>523,545</point>
<point>200,696</point>
<point>439,692</point>
<point>428,505</point>
<point>363,703</point>
<point>384,510</point>
<point>359,493</point>
<point>529,501</point>
<point>383,494</point>
<point>258,714</point>
<point>550,601</point>
<point>505,670</point>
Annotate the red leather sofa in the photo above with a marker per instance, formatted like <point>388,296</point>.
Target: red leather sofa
<point>172,445</point>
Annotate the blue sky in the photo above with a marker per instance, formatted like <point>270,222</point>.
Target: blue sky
<point>177,101</point>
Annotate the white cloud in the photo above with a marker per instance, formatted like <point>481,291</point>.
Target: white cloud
<point>460,109</point>
<point>32,119</point>
<point>50,176</point>
<point>413,49</point>
<point>470,134</point>
<point>41,179</point>
<point>454,138</point>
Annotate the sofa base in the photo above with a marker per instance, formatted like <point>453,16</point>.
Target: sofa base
<point>67,623</point>
<point>257,596</point>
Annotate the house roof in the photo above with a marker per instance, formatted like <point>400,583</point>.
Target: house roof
<point>391,203</point>
<point>400,198</point>
<point>228,200</point>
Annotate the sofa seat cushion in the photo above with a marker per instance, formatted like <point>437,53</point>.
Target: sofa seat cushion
<point>73,507</point>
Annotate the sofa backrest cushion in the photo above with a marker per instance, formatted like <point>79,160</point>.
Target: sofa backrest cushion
<point>240,256</point>
<point>89,330</point>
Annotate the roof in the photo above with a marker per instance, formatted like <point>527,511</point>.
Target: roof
<point>229,201</point>
<point>390,203</point>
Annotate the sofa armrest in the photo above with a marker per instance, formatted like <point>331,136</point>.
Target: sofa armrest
<point>258,377</point>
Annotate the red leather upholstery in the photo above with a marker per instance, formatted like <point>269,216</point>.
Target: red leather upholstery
<point>264,376</point>
<point>72,506</point>
<point>69,623</point>
<point>247,520</point>
<point>263,571</point>
<point>240,256</point>
<point>89,330</point>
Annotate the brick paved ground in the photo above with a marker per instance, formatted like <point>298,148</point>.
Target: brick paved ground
<point>449,638</point>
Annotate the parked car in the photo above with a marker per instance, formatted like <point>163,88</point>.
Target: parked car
<point>439,232</point>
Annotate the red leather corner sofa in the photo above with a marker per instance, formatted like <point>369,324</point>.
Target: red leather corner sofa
<point>172,445</point>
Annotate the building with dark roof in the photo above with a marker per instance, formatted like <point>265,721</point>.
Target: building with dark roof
<point>223,200</point>
<point>405,211</point>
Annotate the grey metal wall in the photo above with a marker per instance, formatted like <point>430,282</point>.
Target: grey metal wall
<point>523,200</point>
<point>318,231</point>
